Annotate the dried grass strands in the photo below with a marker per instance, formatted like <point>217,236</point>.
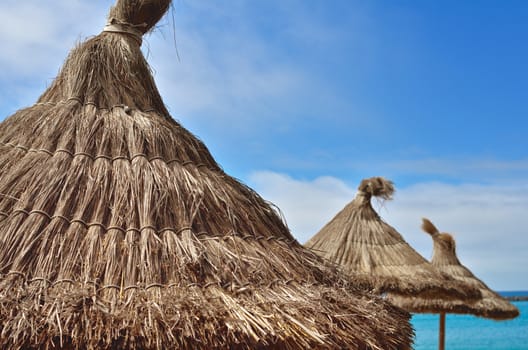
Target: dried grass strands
<point>366,247</point>
<point>115,222</point>
<point>119,230</point>
<point>490,305</point>
<point>192,318</point>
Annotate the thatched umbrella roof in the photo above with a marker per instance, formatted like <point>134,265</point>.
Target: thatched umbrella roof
<point>359,241</point>
<point>490,305</point>
<point>119,230</point>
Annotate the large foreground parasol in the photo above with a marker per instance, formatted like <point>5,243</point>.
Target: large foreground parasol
<point>119,230</point>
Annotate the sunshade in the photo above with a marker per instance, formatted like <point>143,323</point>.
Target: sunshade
<point>119,230</point>
<point>366,247</point>
<point>490,305</point>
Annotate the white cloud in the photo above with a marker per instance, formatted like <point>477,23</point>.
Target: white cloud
<point>226,71</point>
<point>486,220</point>
<point>235,78</point>
<point>37,34</point>
<point>234,64</point>
<point>246,69</point>
<point>224,84</point>
<point>307,205</point>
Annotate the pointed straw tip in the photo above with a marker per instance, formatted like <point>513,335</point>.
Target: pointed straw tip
<point>429,227</point>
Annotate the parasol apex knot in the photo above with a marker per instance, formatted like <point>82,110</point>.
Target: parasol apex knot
<point>133,30</point>
<point>139,15</point>
<point>378,187</point>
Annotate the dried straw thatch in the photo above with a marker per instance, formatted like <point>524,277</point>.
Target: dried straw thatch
<point>119,230</point>
<point>491,305</point>
<point>359,241</point>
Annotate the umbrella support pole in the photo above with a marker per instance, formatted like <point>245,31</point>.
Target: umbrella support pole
<point>441,335</point>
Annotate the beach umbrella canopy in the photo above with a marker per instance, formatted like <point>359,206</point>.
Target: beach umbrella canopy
<point>359,241</point>
<point>119,230</point>
<point>490,305</point>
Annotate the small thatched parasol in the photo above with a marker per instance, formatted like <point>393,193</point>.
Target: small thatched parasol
<point>490,305</point>
<point>359,241</point>
<point>119,230</point>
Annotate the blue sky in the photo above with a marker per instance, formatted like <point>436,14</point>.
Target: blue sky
<point>303,99</point>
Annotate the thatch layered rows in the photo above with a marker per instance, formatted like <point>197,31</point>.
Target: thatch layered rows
<point>119,230</point>
<point>490,305</point>
<point>365,246</point>
<point>281,315</point>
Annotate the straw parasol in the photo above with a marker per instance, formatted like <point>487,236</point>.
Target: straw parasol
<point>359,241</point>
<point>119,230</point>
<point>490,305</point>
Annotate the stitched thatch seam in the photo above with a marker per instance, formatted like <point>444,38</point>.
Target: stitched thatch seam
<point>200,235</point>
<point>237,288</point>
<point>89,103</point>
<point>102,156</point>
<point>360,242</point>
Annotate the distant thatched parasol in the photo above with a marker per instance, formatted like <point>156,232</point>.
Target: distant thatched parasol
<point>490,305</point>
<point>119,230</point>
<point>359,241</point>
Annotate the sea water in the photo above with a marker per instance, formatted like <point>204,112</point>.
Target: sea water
<point>465,332</point>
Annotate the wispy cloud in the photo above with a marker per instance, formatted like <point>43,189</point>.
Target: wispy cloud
<point>251,64</point>
<point>229,72</point>
<point>35,33</point>
<point>229,85</point>
<point>307,205</point>
<point>226,73</point>
<point>36,37</point>
<point>486,220</point>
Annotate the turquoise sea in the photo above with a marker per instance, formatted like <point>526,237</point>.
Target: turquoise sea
<point>464,332</point>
